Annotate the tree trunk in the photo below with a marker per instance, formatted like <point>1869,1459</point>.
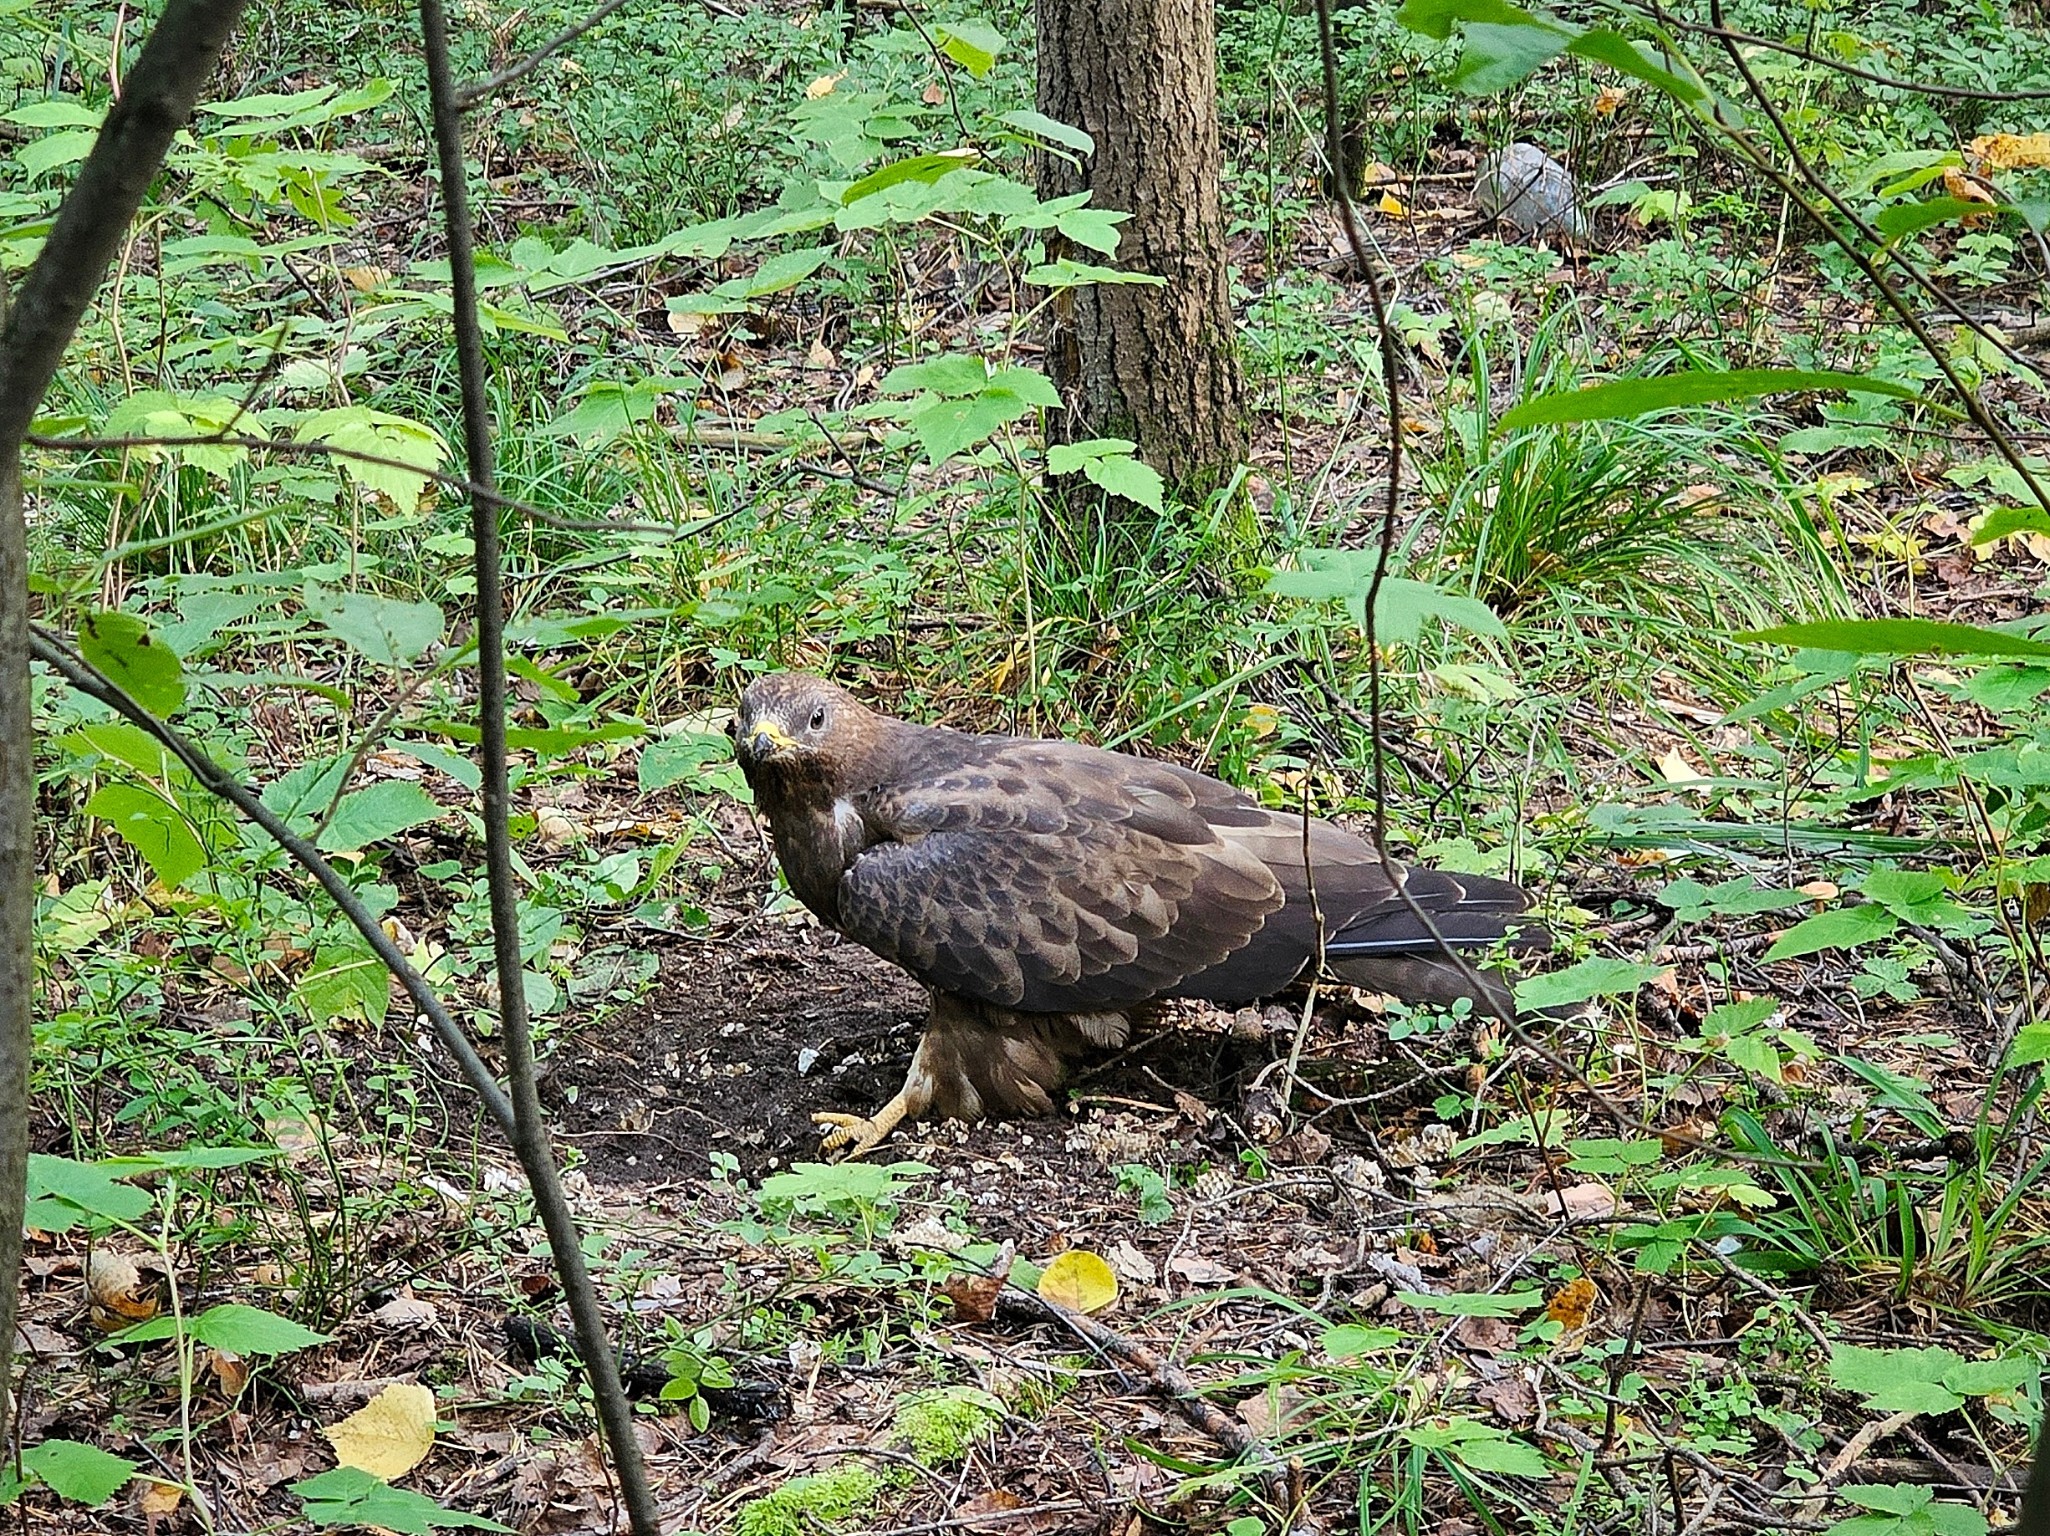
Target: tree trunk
<point>1158,365</point>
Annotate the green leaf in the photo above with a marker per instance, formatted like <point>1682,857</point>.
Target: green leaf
<point>351,1496</point>
<point>359,429</point>
<point>1435,18</point>
<point>385,630</point>
<point>1497,56</point>
<point>85,1474</point>
<point>1843,928</point>
<point>2002,521</point>
<point>950,374</point>
<point>1348,1341</point>
<point>1498,1453</point>
<point>1074,274</point>
<point>673,759</point>
<point>1899,637</point>
<point>376,812</point>
<point>245,1330</point>
<point>1672,391</point>
<point>1596,976</point>
<point>974,45</point>
<point>921,168</point>
<point>1051,129</point>
<point>1911,218</point>
<point>1474,1304</point>
<point>1897,1380</point>
<point>121,647</point>
<point>61,1190</point>
<point>947,427</point>
<point>54,151</point>
<point>345,981</point>
<point>154,828</point>
<point>1643,61</point>
<point>2031,1045</point>
<point>123,743</point>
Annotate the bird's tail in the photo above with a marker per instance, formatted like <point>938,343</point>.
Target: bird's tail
<point>1390,949</point>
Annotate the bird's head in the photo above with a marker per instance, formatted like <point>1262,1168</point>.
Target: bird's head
<point>794,723</point>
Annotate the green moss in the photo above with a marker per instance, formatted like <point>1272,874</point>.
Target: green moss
<point>806,1506</point>
<point>942,1425</point>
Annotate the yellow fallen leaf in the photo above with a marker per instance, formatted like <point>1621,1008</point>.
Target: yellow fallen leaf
<point>158,1500</point>
<point>1079,1281</point>
<point>1607,99</point>
<point>389,1435</point>
<point>1392,205</point>
<point>823,86</point>
<point>2011,151</point>
<point>1675,769</point>
<point>365,279</point>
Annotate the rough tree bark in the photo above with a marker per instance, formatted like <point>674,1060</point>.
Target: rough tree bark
<point>1158,365</point>
<point>156,99</point>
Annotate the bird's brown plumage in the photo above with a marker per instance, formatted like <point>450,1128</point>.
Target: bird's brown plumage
<point>1044,890</point>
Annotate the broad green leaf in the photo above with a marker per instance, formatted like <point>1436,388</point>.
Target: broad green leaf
<point>1842,928</point>
<point>1674,391</point>
<point>122,648</point>
<point>123,743</point>
<point>376,812</point>
<point>245,1330</point>
<point>54,151</point>
<point>406,447</point>
<point>344,981</point>
<point>1499,1453</point>
<point>1497,56</point>
<point>672,759</point>
<point>920,168</point>
<point>950,374</point>
<point>1096,228</point>
<point>1596,976</point>
<point>1897,1380</point>
<point>1911,218</point>
<point>1436,18</point>
<point>1642,61</point>
<point>1899,637</point>
<point>974,45</point>
<point>154,828</point>
<point>61,1190</point>
<point>947,427</point>
<point>2031,1045</point>
<point>2002,521</point>
<point>385,630</point>
<point>351,1496</point>
<point>1348,1341</point>
<point>85,1474</point>
<point>58,112</point>
<point>1051,129</point>
<point>1125,476</point>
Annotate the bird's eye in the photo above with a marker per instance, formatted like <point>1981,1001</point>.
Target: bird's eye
<point>818,718</point>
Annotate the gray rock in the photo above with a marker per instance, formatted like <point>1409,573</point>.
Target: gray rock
<point>1528,190</point>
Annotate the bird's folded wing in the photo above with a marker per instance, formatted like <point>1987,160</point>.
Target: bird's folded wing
<point>1047,880</point>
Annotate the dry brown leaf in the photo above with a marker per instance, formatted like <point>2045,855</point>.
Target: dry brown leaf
<point>820,356</point>
<point>934,95</point>
<point>974,1297</point>
<point>1967,188</point>
<point>2011,151</point>
<point>1582,1201</point>
<point>406,1312</point>
<point>1572,1305</point>
<point>1510,1398</point>
<point>1608,99</point>
<point>365,279</point>
<point>389,1435</point>
<point>157,1501</point>
<point>116,1293</point>
<point>230,1370</point>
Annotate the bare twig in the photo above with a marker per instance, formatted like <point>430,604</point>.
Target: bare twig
<point>530,1128</point>
<point>477,90</point>
<point>1839,67</point>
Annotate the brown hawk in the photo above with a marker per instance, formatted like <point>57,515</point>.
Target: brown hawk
<point>1043,890</point>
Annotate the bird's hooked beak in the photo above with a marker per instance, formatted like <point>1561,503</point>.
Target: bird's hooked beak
<point>768,740</point>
